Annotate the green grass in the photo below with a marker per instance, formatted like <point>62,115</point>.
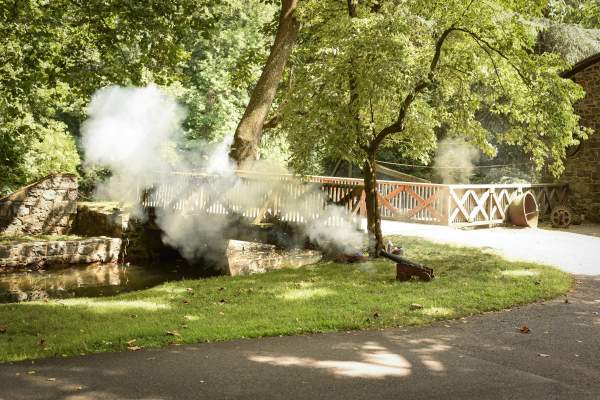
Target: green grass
<point>325,297</point>
<point>7,239</point>
<point>106,206</point>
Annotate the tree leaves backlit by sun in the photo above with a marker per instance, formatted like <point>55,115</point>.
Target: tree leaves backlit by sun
<point>486,63</point>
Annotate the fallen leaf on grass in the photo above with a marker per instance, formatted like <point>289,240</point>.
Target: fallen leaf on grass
<point>189,289</point>
<point>416,306</point>
<point>132,316</point>
<point>185,302</point>
<point>524,329</point>
<point>3,328</point>
<point>134,348</point>
<point>131,342</point>
<point>173,333</point>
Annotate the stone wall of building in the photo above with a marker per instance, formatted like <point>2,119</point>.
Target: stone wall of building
<point>583,168</point>
<point>44,207</point>
<point>16,255</point>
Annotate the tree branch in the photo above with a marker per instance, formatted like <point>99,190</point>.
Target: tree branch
<point>422,85</point>
<point>272,123</point>
<point>481,41</point>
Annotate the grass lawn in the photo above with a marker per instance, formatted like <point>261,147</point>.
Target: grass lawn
<point>8,239</point>
<point>322,298</point>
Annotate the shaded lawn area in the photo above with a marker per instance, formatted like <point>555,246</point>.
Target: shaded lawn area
<point>325,297</point>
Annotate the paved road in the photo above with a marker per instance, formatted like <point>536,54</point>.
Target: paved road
<point>482,357</point>
<point>575,250</point>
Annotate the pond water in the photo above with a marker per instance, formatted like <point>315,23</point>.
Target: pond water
<point>88,280</point>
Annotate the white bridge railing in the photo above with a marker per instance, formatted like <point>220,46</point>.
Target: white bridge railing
<point>256,195</point>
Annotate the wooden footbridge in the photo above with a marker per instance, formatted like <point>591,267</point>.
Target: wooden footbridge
<point>300,199</point>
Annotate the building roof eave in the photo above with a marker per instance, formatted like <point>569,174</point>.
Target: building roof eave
<point>581,65</point>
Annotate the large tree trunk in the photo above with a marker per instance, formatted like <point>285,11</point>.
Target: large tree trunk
<point>370,179</point>
<point>372,205</point>
<point>249,131</point>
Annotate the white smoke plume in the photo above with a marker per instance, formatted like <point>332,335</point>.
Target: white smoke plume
<point>132,131</point>
<point>455,161</point>
<point>137,133</point>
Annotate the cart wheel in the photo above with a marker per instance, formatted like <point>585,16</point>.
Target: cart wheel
<point>561,217</point>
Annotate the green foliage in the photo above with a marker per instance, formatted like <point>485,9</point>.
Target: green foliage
<point>322,298</point>
<point>585,13</point>
<point>223,67</point>
<point>506,175</point>
<point>55,54</point>
<point>486,63</point>
<point>572,42</point>
<point>55,151</point>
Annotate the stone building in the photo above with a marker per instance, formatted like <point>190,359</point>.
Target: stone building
<point>583,162</point>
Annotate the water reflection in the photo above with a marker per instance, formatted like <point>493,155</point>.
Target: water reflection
<point>87,281</point>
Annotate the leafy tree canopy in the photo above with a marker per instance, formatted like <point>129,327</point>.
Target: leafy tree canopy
<point>55,54</point>
<point>585,13</point>
<point>420,68</point>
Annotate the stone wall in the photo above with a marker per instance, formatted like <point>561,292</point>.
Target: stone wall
<point>246,258</point>
<point>15,256</point>
<point>44,207</point>
<point>583,168</point>
<point>100,219</point>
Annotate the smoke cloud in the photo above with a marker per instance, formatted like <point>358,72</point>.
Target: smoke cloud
<point>137,133</point>
<point>455,160</point>
<point>133,131</point>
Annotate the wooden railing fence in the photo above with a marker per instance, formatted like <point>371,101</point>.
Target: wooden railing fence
<point>488,204</point>
<point>294,199</point>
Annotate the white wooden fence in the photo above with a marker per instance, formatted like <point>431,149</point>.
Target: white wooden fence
<point>455,205</point>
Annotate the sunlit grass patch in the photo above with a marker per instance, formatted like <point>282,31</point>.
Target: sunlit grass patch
<point>519,272</point>
<point>438,311</point>
<point>110,305</point>
<point>321,298</point>
<point>303,294</point>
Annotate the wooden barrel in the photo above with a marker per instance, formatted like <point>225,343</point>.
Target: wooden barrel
<point>524,211</point>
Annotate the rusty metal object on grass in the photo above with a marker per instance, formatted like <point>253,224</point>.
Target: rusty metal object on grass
<point>524,211</point>
<point>561,217</point>
<point>406,269</point>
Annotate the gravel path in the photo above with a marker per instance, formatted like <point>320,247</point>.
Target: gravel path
<point>576,250</point>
